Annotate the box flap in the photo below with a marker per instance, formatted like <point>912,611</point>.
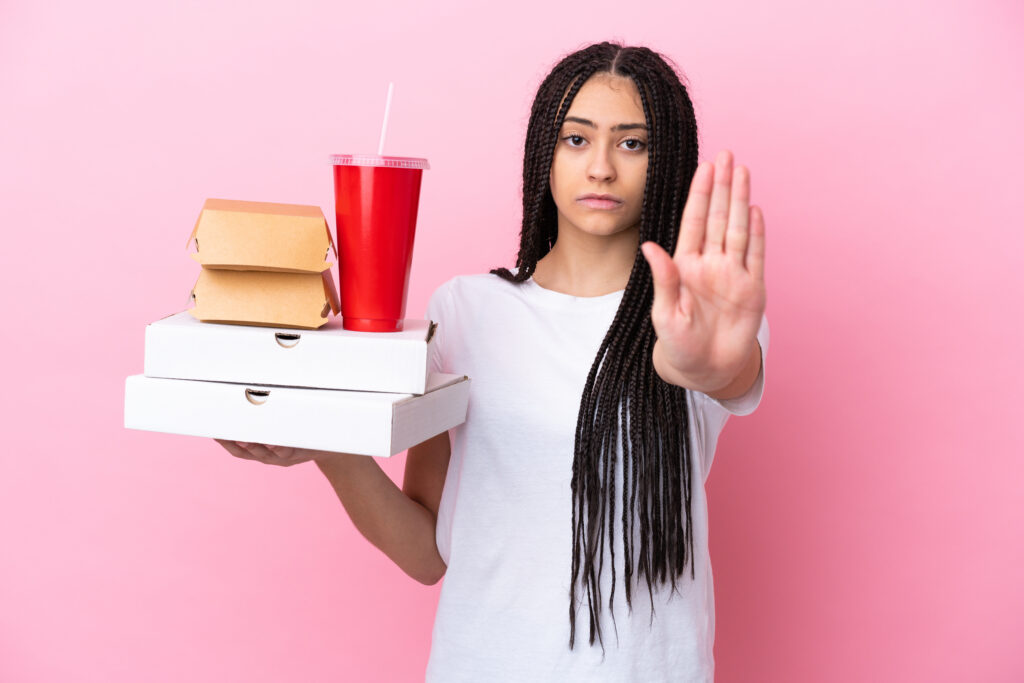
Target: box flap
<point>418,418</point>
<point>332,292</point>
<point>330,240</point>
<point>245,235</point>
<point>195,229</point>
<point>435,381</point>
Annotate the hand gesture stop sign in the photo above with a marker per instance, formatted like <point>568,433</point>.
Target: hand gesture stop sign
<point>709,296</point>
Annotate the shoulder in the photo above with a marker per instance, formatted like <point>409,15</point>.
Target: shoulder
<point>472,286</point>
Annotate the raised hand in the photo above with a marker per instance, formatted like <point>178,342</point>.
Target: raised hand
<point>709,296</point>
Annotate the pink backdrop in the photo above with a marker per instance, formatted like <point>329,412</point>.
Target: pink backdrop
<point>866,521</point>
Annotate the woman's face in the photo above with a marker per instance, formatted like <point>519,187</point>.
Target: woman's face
<point>601,150</point>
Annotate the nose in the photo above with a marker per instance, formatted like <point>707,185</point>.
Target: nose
<point>599,165</point>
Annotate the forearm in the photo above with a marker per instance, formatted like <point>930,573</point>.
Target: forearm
<point>401,528</point>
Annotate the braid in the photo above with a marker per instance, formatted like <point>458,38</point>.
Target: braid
<point>624,403</point>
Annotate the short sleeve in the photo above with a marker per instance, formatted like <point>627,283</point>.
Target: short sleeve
<point>437,310</point>
<point>746,404</point>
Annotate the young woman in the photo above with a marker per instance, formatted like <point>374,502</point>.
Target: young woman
<point>603,368</point>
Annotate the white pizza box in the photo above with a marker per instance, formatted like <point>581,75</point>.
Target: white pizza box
<point>331,357</point>
<point>366,423</point>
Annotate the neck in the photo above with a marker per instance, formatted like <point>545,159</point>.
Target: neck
<point>583,264</point>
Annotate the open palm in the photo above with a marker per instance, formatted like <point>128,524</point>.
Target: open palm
<point>709,296</point>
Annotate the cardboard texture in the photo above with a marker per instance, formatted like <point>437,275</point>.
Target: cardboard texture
<point>240,235</point>
<point>252,297</point>
<point>365,423</point>
<point>181,347</point>
<point>263,264</point>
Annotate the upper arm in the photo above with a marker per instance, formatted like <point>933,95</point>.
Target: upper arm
<point>426,465</point>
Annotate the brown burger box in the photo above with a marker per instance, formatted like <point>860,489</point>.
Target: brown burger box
<point>264,263</point>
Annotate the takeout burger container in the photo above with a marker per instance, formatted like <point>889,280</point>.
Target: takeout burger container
<point>263,263</point>
<point>180,347</point>
<point>252,297</point>
<point>361,422</point>
<point>239,235</point>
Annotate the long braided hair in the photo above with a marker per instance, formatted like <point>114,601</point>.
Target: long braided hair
<point>622,383</point>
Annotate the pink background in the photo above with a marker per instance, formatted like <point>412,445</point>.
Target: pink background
<point>866,522</point>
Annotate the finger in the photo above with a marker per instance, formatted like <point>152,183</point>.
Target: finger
<point>234,449</point>
<point>262,452</point>
<point>665,273</point>
<point>737,234</point>
<point>755,251</point>
<point>718,209</point>
<point>294,456</point>
<point>251,451</point>
<point>289,455</point>
<point>285,452</point>
<point>695,213</point>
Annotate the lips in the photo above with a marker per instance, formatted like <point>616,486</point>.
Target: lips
<point>600,201</point>
<point>610,197</point>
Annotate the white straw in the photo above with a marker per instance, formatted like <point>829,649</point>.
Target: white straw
<point>384,126</point>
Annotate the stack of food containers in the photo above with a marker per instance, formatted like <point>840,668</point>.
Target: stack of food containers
<point>282,372</point>
<point>263,263</point>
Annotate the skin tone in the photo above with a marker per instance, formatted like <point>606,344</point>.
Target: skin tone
<point>709,295</point>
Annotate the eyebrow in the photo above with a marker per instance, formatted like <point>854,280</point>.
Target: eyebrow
<point>621,126</point>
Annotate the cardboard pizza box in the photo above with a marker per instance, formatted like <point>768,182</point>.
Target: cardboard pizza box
<point>331,357</point>
<point>361,422</point>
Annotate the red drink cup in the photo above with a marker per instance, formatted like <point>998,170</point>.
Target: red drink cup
<point>376,199</point>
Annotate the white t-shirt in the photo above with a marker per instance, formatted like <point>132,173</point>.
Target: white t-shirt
<point>504,525</point>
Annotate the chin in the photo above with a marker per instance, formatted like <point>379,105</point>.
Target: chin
<point>599,224</point>
<point>603,228</point>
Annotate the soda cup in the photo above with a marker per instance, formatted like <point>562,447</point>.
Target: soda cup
<point>376,199</point>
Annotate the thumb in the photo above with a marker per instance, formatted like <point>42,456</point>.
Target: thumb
<point>666,279</point>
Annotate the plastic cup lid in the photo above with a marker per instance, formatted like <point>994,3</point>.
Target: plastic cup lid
<point>376,160</point>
